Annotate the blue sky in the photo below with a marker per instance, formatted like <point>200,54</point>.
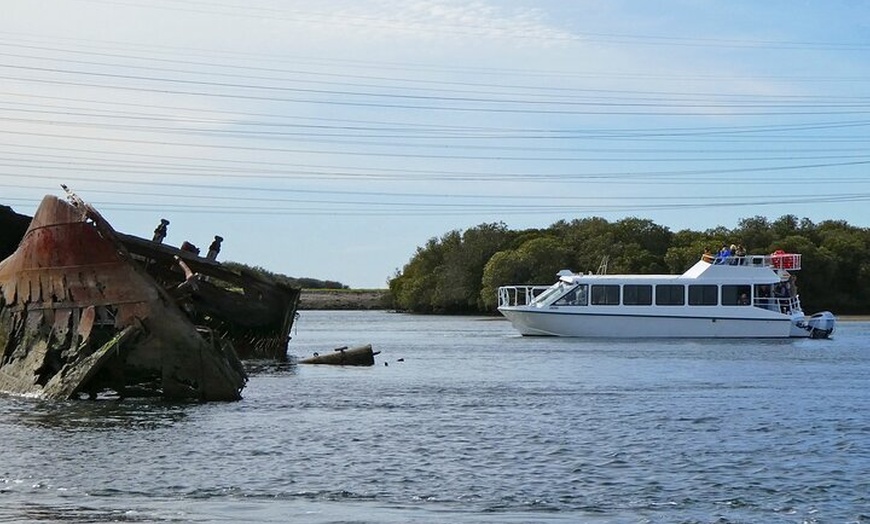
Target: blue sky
<point>330,139</point>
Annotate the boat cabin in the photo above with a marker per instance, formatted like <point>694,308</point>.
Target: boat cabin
<point>760,281</point>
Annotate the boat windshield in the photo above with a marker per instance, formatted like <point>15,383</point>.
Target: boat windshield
<point>556,290</point>
<point>575,295</point>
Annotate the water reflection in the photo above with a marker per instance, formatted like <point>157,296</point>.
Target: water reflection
<point>73,512</point>
<point>109,415</point>
<point>270,368</point>
<point>113,414</point>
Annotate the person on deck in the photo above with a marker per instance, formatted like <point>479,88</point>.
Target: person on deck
<point>707,256</point>
<point>723,255</point>
<point>740,253</point>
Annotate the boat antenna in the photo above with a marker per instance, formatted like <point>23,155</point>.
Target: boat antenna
<point>602,267</point>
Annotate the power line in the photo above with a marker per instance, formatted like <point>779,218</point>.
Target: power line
<point>382,154</point>
<point>207,167</point>
<point>336,139</point>
<point>443,132</point>
<point>344,78</point>
<point>591,108</point>
<point>367,208</point>
<point>477,31</point>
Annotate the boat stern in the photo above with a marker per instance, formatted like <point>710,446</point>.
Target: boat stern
<point>819,325</point>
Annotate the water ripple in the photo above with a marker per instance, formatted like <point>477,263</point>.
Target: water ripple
<point>476,425</point>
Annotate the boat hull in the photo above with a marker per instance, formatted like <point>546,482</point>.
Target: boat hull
<point>531,321</point>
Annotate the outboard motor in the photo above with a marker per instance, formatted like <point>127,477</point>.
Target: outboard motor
<point>821,325</point>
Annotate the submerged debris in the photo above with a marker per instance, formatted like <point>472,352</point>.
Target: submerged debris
<point>344,356</point>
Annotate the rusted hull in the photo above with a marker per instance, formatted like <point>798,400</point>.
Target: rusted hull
<point>356,356</point>
<point>78,316</point>
<point>254,314</point>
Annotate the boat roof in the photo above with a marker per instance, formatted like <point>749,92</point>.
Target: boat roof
<point>702,271</point>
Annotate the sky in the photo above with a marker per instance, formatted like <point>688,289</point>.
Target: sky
<point>331,139</point>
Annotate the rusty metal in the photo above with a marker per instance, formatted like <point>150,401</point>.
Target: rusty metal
<point>253,313</point>
<point>79,316</point>
<point>250,311</point>
<point>344,356</point>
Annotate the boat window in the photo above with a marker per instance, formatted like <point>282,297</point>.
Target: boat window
<point>670,295</point>
<point>764,298</point>
<point>637,295</point>
<point>555,289</point>
<point>736,295</point>
<point>578,296</point>
<point>703,295</point>
<point>605,295</point>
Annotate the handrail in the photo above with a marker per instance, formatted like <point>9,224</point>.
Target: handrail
<point>510,296</point>
<point>785,305</point>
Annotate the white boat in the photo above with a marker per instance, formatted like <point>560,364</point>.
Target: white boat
<point>736,297</point>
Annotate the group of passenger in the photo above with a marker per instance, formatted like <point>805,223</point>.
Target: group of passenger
<point>733,255</point>
<point>775,297</point>
<point>779,296</point>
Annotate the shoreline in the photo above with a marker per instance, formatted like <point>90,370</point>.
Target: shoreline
<point>342,299</point>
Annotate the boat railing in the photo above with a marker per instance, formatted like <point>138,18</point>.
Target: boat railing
<point>786,305</point>
<point>787,261</point>
<point>509,296</point>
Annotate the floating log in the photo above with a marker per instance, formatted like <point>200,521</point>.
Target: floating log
<point>79,316</point>
<point>344,356</point>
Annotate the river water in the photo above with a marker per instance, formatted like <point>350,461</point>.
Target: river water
<point>461,420</point>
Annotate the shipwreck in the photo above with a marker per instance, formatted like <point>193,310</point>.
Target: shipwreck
<point>86,310</point>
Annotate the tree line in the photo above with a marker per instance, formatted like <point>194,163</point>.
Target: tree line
<point>301,282</point>
<point>461,271</point>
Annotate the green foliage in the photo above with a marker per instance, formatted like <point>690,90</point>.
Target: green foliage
<point>445,276</point>
<point>534,262</point>
<point>461,271</point>
<point>755,233</point>
<point>414,287</point>
<point>306,283</point>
